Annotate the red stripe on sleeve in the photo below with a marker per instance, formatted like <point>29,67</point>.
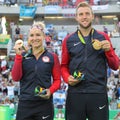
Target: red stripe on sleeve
<point>65,61</point>
<point>17,68</point>
<point>112,58</point>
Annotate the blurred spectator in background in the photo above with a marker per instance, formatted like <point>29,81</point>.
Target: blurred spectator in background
<point>31,2</point>
<point>0,27</point>
<point>4,88</point>
<point>119,27</point>
<point>105,29</point>
<point>17,32</point>
<point>97,2</point>
<point>3,64</point>
<point>118,91</point>
<point>48,39</point>
<point>7,2</point>
<point>13,2</point>
<point>10,88</point>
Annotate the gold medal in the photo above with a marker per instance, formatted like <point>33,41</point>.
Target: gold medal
<point>19,42</point>
<point>96,44</point>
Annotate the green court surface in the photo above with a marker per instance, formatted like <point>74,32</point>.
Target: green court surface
<point>113,113</point>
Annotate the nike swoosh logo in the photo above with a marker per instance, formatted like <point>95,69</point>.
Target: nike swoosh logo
<point>44,117</point>
<point>75,44</point>
<point>102,107</point>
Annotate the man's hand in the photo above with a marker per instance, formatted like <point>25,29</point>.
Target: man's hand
<point>72,81</point>
<point>105,45</point>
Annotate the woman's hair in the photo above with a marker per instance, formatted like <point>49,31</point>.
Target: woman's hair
<point>83,4</point>
<point>39,25</point>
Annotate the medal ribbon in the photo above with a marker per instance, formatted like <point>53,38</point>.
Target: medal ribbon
<point>81,36</point>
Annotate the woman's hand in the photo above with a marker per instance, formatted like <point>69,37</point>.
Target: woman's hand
<point>19,47</point>
<point>47,95</point>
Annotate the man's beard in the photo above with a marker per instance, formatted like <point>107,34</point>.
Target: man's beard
<point>86,27</point>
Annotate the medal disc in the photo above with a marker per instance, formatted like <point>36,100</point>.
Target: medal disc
<point>20,42</point>
<point>96,44</point>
